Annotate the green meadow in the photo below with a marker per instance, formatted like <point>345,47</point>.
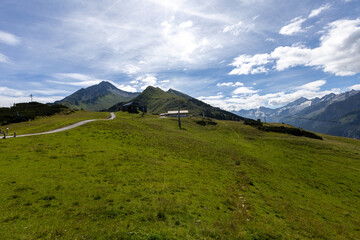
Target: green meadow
<point>42,124</point>
<point>143,178</point>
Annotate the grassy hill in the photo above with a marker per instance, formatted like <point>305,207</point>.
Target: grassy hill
<point>46,123</point>
<point>143,178</point>
<point>159,101</point>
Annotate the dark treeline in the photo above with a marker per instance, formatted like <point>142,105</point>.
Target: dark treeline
<point>282,129</point>
<point>220,114</point>
<point>22,112</point>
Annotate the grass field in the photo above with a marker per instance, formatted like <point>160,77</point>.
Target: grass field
<point>143,178</point>
<point>43,124</point>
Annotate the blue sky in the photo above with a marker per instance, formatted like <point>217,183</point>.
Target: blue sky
<point>237,54</point>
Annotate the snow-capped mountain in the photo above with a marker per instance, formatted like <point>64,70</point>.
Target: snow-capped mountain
<point>337,114</point>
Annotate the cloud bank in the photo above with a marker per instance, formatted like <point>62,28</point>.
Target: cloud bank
<point>247,97</point>
<point>338,53</point>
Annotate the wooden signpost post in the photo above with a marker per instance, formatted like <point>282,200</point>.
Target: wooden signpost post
<point>179,117</point>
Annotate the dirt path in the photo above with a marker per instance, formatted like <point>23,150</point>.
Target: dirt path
<point>112,116</point>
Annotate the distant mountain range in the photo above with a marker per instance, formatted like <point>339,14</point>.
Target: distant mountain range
<point>335,114</point>
<point>106,97</point>
<point>159,101</point>
<point>97,97</point>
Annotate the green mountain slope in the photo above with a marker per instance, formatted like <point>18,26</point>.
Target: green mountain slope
<point>159,101</point>
<point>142,178</point>
<point>177,93</point>
<point>97,97</point>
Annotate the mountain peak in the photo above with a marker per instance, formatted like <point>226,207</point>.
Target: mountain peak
<point>151,88</point>
<point>97,97</point>
<point>106,84</point>
<point>159,101</point>
<point>301,100</point>
<point>296,102</point>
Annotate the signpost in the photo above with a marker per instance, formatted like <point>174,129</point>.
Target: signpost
<point>179,117</point>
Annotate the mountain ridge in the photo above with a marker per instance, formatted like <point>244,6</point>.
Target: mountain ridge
<point>329,114</point>
<point>159,101</point>
<point>96,97</point>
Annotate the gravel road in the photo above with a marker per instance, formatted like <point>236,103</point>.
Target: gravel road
<point>112,116</point>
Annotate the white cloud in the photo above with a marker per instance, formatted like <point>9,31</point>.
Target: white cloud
<point>75,79</point>
<point>293,27</point>
<point>317,11</point>
<point>338,53</point>
<point>270,40</point>
<point>354,87</point>
<point>229,84</point>
<point>276,99</point>
<point>313,86</point>
<point>236,29</point>
<point>4,59</point>
<point>246,64</point>
<point>189,8</point>
<point>8,101</point>
<point>164,81</point>
<point>126,88</point>
<point>9,38</point>
<point>178,43</point>
<point>147,80</point>
<point>210,98</point>
<point>5,91</point>
<point>291,56</point>
<point>48,92</point>
<point>10,92</point>
<point>244,90</point>
<point>187,24</point>
<point>9,96</point>
<point>128,69</point>
<point>83,80</point>
<point>77,76</point>
<point>139,41</point>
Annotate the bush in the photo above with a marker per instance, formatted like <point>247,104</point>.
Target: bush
<point>254,123</point>
<point>288,130</point>
<point>206,121</point>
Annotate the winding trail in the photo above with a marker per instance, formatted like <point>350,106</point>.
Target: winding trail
<point>112,116</point>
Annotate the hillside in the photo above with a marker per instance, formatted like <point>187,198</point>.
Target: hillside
<point>159,101</point>
<point>22,112</point>
<point>143,178</point>
<point>96,97</point>
<point>331,114</point>
<point>53,122</point>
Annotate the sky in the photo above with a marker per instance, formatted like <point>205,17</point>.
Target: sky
<point>233,54</point>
